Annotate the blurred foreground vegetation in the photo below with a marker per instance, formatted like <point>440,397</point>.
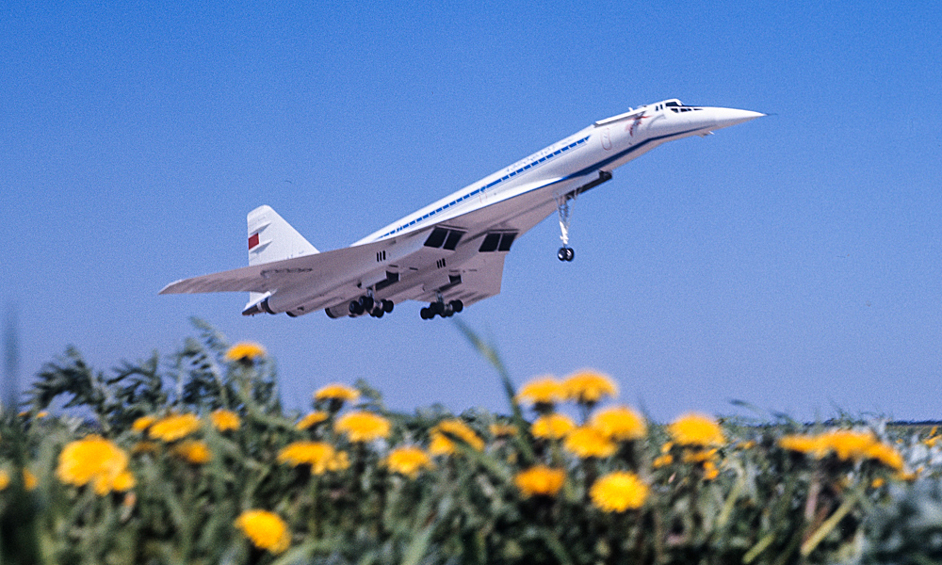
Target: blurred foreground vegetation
<point>193,459</point>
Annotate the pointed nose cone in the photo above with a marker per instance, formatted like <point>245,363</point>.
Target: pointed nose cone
<point>726,117</point>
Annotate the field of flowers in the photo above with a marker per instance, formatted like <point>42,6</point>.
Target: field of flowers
<point>193,459</point>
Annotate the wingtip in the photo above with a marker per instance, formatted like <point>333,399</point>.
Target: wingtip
<point>169,288</point>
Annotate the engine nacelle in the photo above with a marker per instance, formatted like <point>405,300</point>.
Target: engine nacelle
<point>338,311</point>
<point>259,308</point>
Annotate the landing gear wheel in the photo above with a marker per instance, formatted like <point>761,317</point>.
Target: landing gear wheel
<point>457,306</point>
<point>366,302</point>
<point>565,254</point>
<point>387,306</point>
<point>426,313</point>
<point>355,308</point>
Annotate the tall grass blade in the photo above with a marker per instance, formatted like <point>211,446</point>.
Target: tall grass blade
<point>491,355</point>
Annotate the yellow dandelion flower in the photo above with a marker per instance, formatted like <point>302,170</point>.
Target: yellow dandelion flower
<point>848,445</point>
<point>619,423</point>
<point>540,481</point>
<point>443,433</point>
<point>174,427</point>
<point>97,461</point>
<point>408,461</point>
<point>662,461</point>
<point>339,462</point>
<point>30,481</point>
<point>245,351</point>
<point>266,530</point>
<point>311,420</point>
<point>362,426</point>
<point>545,390</point>
<point>143,423</point>
<point>552,426</point>
<point>710,471</point>
<point>196,452</point>
<point>809,445</point>
<point>886,454</point>
<point>588,387</point>
<point>696,429</point>
<point>441,445</point>
<point>337,391</point>
<point>692,456</point>
<point>143,447</point>
<point>932,439</point>
<point>123,482</point>
<point>587,441</point>
<point>503,430</point>
<point>619,491</point>
<point>224,420</point>
<point>319,455</point>
<point>462,431</point>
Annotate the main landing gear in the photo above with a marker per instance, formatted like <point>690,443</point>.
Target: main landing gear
<point>565,252</point>
<point>440,308</point>
<point>366,304</point>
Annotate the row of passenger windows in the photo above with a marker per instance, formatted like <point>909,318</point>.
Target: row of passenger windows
<point>483,188</point>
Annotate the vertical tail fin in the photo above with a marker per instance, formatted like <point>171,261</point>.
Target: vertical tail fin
<point>271,238</point>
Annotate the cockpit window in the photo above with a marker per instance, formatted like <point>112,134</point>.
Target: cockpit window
<point>674,105</point>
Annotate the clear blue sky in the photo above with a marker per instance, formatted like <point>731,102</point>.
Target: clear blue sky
<point>794,262</point>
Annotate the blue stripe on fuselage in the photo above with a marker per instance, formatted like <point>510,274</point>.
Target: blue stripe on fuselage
<point>621,154</point>
<point>583,172</point>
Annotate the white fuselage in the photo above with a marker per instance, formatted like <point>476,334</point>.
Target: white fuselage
<point>451,251</point>
<point>555,170</point>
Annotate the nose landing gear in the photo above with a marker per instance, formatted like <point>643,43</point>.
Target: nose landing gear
<point>565,252</point>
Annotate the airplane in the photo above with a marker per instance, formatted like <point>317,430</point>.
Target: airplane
<point>451,252</point>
